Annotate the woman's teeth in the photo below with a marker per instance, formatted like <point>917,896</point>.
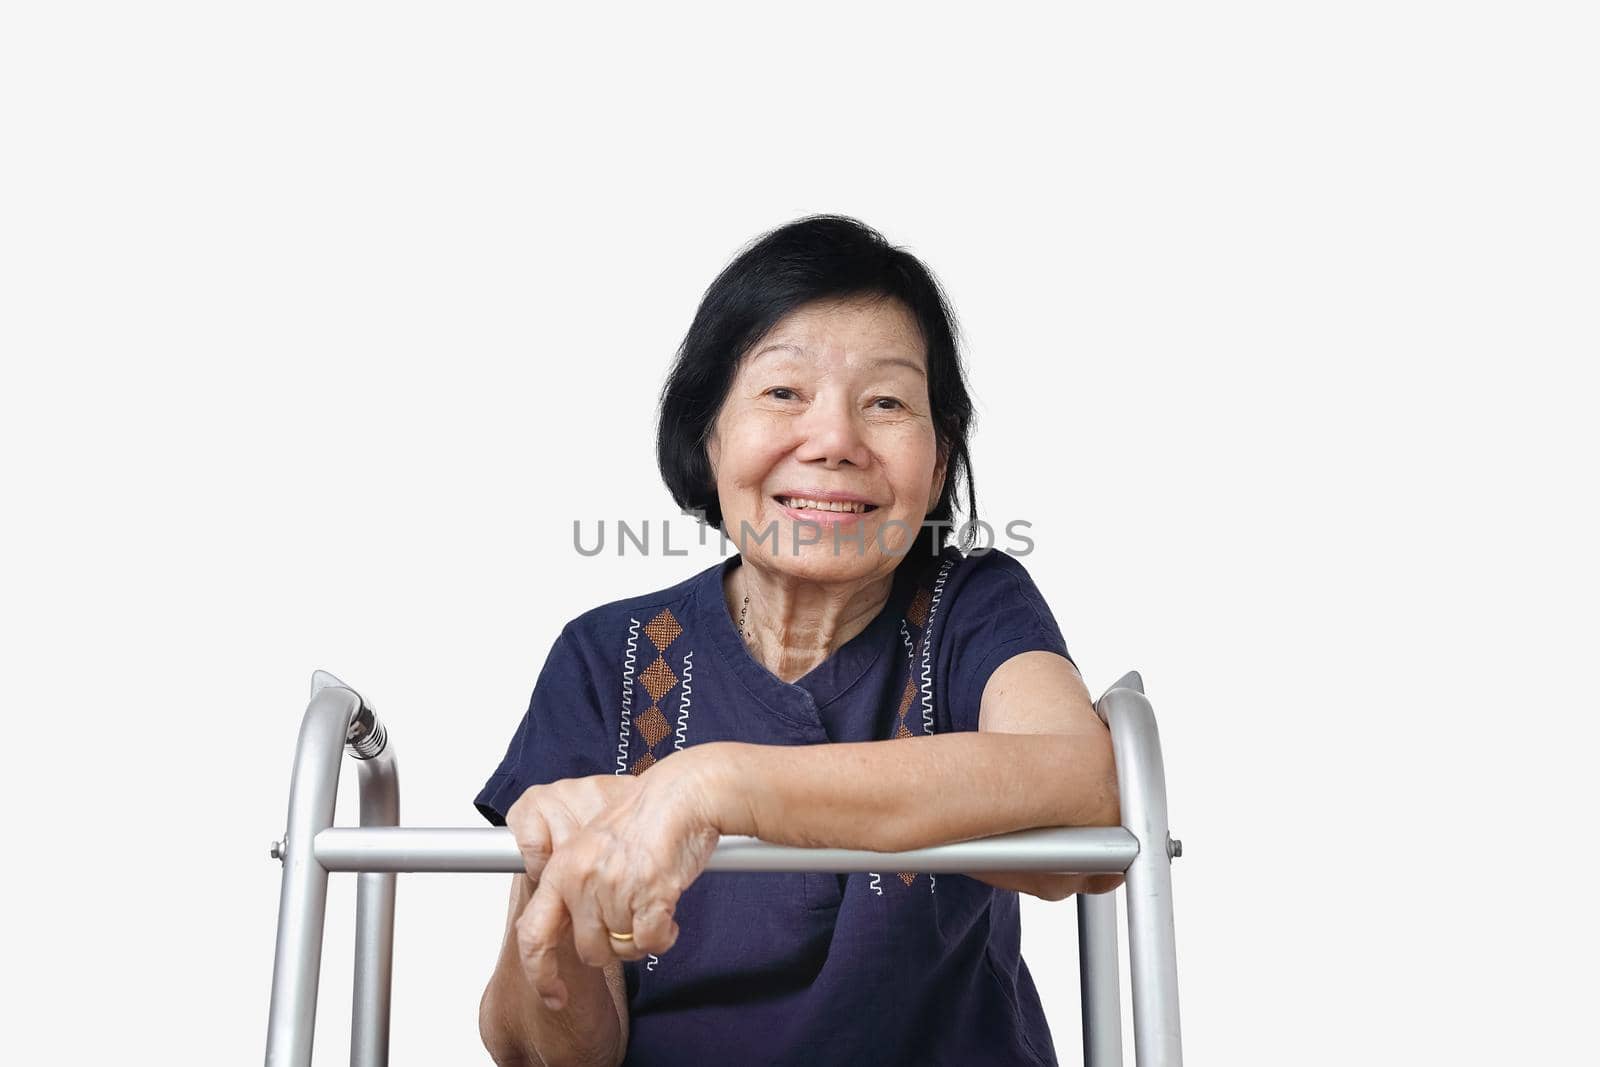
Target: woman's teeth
<point>821,505</point>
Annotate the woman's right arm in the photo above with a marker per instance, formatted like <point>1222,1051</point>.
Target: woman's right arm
<point>519,1031</point>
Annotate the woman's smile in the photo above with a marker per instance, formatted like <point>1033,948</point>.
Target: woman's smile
<point>832,508</point>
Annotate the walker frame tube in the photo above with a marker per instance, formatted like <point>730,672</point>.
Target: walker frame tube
<point>1152,944</point>
<point>1099,988</point>
<point>1087,850</point>
<point>303,898</point>
<point>369,1012</point>
<point>379,850</point>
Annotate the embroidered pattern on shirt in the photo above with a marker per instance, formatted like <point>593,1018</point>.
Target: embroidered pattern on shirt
<point>658,680</point>
<point>627,694</point>
<point>683,701</point>
<point>927,650</point>
<point>920,612</point>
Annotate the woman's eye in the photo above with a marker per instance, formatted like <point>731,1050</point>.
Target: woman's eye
<point>888,400</point>
<point>775,390</point>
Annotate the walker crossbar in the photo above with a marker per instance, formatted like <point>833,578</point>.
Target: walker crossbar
<point>337,718</point>
<point>494,850</point>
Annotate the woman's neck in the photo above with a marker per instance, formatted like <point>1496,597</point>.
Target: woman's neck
<point>791,625</point>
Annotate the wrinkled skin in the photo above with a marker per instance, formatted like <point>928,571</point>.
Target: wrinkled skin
<point>607,853</point>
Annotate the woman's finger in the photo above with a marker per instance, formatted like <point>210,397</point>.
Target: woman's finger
<point>615,909</point>
<point>531,831</point>
<point>544,922</point>
<point>616,914</point>
<point>654,929</point>
<point>589,933</point>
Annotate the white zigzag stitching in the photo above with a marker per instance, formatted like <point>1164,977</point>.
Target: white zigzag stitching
<point>627,696</point>
<point>905,638</point>
<point>927,648</point>
<point>683,702</point>
<point>927,669</point>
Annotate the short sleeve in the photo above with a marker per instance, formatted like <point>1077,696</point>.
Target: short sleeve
<point>563,734</point>
<point>997,613</point>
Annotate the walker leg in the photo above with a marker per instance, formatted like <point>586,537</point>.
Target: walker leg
<point>1153,963</point>
<point>303,899</point>
<point>1098,984</point>
<point>1152,951</point>
<point>369,1017</point>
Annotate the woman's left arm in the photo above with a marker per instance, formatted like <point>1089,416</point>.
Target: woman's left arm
<point>1040,757</point>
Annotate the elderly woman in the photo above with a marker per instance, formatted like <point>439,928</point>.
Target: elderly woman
<point>847,679</point>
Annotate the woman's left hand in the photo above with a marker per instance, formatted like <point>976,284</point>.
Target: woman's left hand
<point>623,871</point>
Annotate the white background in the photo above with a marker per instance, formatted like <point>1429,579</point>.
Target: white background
<point>321,323</point>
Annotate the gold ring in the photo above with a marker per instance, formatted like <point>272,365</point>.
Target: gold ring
<point>617,936</point>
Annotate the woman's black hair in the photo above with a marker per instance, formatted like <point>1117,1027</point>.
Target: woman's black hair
<point>814,258</point>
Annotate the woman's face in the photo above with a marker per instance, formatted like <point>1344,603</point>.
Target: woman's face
<point>829,408</point>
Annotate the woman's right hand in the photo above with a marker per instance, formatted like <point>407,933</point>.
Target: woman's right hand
<point>546,815</point>
<point>541,819</point>
<point>594,1025</point>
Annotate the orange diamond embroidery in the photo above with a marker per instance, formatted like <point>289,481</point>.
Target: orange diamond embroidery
<point>905,705</point>
<point>658,678</point>
<point>917,612</point>
<point>653,725</point>
<point>663,630</point>
<point>905,697</point>
<point>644,763</point>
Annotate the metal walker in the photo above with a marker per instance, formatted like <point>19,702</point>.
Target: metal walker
<point>338,719</point>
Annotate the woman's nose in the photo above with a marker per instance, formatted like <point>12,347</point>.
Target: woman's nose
<point>832,434</point>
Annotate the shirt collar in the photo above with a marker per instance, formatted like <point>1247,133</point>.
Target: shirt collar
<point>825,682</point>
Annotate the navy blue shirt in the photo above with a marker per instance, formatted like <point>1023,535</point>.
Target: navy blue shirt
<point>800,968</point>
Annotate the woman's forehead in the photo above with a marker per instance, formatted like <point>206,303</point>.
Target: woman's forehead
<point>879,332</point>
<point>874,360</point>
